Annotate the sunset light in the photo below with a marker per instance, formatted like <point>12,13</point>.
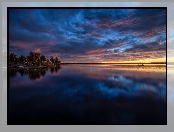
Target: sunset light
<point>90,35</point>
<point>87,66</point>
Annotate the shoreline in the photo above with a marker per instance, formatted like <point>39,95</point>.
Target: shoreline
<point>39,67</point>
<point>28,67</point>
<point>118,63</point>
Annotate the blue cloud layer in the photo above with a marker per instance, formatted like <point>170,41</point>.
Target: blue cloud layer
<point>89,35</point>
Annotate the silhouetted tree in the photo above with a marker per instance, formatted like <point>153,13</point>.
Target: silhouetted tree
<point>13,59</point>
<point>57,61</point>
<point>52,60</point>
<point>43,60</point>
<point>22,59</point>
<point>33,59</point>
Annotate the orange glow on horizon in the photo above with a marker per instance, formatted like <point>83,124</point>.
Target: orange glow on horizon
<point>148,60</point>
<point>139,61</point>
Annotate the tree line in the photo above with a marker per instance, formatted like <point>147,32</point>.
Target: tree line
<point>33,59</point>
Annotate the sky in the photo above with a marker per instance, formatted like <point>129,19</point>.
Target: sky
<point>90,35</point>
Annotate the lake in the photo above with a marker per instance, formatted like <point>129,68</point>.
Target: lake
<point>88,94</point>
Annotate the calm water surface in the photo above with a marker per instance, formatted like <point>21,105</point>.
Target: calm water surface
<point>88,94</point>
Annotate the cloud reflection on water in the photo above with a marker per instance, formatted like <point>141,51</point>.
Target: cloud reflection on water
<point>79,94</point>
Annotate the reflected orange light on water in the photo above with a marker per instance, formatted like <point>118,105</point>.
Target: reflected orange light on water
<point>145,68</point>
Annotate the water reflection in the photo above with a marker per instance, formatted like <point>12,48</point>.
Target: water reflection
<point>33,73</point>
<point>12,73</point>
<point>83,94</point>
<point>54,69</point>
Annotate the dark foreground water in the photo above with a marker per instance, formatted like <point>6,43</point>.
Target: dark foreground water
<point>88,94</point>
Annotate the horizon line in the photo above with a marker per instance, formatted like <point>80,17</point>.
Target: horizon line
<point>113,63</point>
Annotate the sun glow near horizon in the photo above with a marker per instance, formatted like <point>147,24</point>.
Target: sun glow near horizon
<point>92,36</point>
<point>148,60</point>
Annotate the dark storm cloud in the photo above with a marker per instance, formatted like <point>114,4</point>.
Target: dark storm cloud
<point>87,34</point>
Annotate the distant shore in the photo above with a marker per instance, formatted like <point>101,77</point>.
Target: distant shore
<point>117,63</point>
<point>125,64</point>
